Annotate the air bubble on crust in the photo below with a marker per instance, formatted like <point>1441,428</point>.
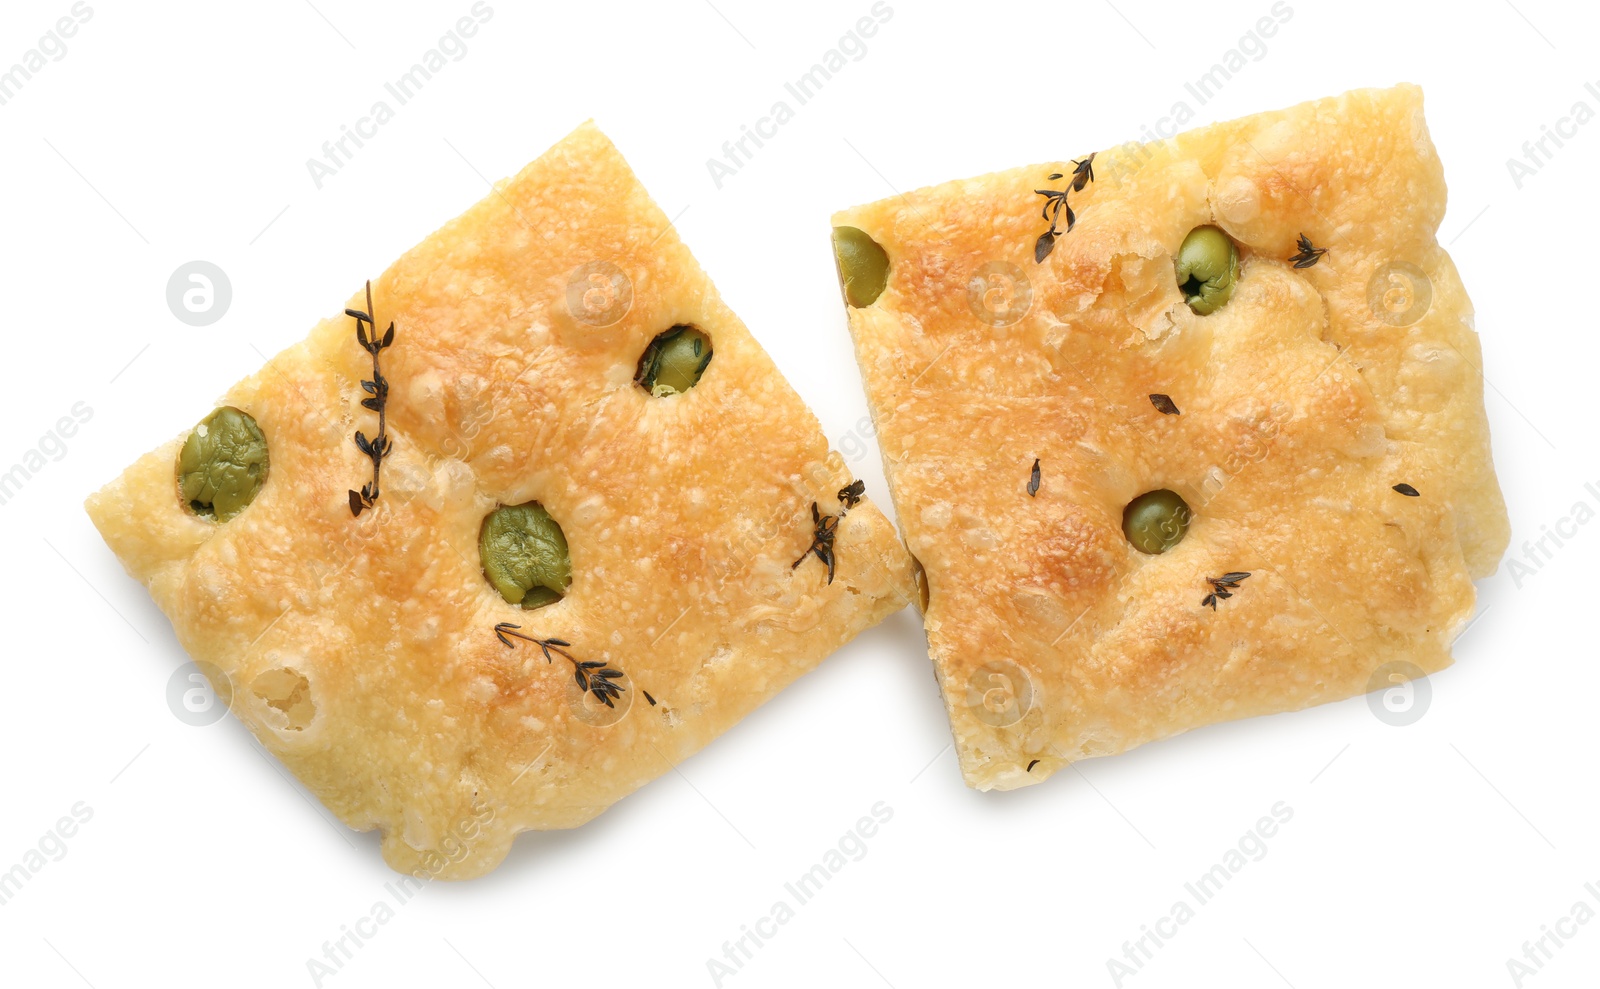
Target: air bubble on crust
<point>1238,201</point>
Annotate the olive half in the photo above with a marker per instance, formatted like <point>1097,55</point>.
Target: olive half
<point>223,464</point>
<point>524,555</point>
<point>863,266</point>
<point>674,361</point>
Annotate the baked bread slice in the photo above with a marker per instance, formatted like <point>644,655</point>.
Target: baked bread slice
<point>1023,404</point>
<point>359,634</point>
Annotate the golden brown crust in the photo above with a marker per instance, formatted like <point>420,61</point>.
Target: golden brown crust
<point>683,515</point>
<point>1301,405</point>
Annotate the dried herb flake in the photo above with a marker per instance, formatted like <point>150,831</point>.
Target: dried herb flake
<point>1308,255</point>
<point>1222,588</point>
<point>1164,404</point>
<point>851,493</point>
<point>825,527</point>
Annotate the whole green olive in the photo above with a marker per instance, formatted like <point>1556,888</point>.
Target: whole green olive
<point>863,266</point>
<point>1208,269</point>
<point>223,464</point>
<point>674,361</point>
<point>1156,521</point>
<point>524,555</point>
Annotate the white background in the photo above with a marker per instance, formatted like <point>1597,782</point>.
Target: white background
<point>1422,855</point>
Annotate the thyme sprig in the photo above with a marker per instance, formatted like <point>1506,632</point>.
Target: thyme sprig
<point>591,675</point>
<point>1308,255</point>
<point>1222,588</point>
<point>825,527</point>
<point>377,400</point>
<point>1055,204</point>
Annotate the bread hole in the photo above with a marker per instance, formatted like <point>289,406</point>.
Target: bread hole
<point>287,691</point>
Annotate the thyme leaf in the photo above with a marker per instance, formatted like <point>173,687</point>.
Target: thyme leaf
<point>1164,404</point>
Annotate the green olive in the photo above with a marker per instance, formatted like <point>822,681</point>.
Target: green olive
<point>674,361</point>
<point>1208,269</point>
<point>1156,521</point>
<point>223,464</point>
<point>524,555</point>
<point>863,266</point>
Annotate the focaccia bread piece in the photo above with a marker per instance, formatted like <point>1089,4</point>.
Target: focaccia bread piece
<point>1318,407</point>
<point>361,636</point>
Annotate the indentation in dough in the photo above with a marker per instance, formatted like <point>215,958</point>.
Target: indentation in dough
<point>1141,288</point>
<point>288,692</point>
